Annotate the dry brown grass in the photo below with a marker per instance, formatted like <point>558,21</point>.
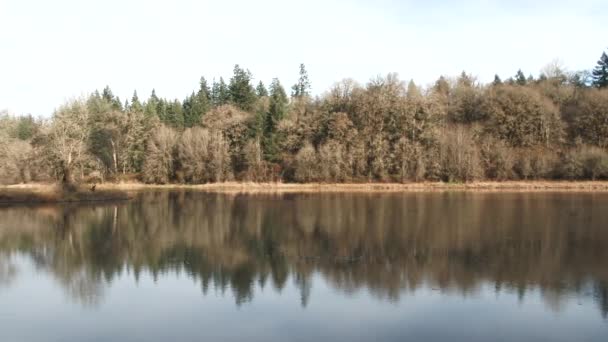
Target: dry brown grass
<point>46,193</point>
<point>246,187</point>
<point>51,193</point>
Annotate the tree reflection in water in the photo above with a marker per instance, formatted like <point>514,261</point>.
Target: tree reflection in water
<point>390,244</point>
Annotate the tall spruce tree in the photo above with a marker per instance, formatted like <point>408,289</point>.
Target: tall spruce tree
<point>276,111</point>
<point>302,88</point>
<point>151,106</point>
<point>520,78</point>
<point>260,90</point>
<point>242,93</point>
<point>600,72</point>
<point>497,81</point>
<point>136,106</point>
<point>109,97</point>
<point>196,105</point>
<point>220,94</point>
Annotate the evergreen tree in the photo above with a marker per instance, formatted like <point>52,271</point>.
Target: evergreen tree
<point>219,93</point>
<point>151,106</point>
<point>174,114</point>
<point>530,79</point>
<point>302,88</point>
<point>276,111</point>
<point>600,72</point>
<point>260,90</point>
<point>497,81</point>
<point>109,97</point>
<point>242,93</point>
<point>136,106</point>
<point>520,78</point>
<point>161,110</point>
<point>197,104</point>
<point>107,94</point>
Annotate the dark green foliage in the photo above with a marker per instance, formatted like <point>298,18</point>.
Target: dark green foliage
<point>220,95</point>
<point>600,72</point>
<point>302,88</point>
<point>260,90</point>
<point>497,81</point>
<point>276,112</point>
<point>197,104</point>
<point>242,93</point>
<point>520,78</point>
<point>110,98</point>
<point>136,106</point>
<point>26,127</point>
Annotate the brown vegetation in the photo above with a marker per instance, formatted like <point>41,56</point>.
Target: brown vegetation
<point>37,193</point>
<point>458,130</point>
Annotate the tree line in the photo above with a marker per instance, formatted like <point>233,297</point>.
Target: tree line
<point>554,126</point>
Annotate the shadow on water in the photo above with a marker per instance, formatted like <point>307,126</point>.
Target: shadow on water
<point>388,244</point>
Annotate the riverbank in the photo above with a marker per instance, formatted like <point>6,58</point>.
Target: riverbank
<point>106,191</point>
<point>51,193</point>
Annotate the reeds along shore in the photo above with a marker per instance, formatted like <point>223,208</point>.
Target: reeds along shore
<point>51,193</point>
<point>48,193</point>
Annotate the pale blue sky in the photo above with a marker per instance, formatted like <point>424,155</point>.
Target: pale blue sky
<point>55,50</point>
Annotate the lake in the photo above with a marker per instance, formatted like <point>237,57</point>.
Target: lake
<point>194,266</point>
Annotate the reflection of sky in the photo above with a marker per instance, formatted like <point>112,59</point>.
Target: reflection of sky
<point>36,308</point>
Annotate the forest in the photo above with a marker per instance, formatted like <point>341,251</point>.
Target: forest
<point>553,126</point>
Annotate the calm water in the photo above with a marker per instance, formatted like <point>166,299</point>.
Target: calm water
<point>186,266</point>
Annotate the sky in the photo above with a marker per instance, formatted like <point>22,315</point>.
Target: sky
<point>54,51</point>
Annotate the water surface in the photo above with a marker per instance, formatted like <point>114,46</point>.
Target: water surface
<point>190,266</point>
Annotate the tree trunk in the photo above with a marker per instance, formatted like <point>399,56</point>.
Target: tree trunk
<point>114,159</point>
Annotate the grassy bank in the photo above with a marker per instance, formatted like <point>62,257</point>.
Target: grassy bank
<point>244,187</point>
<point>48,193</point>
<point>51,193</point>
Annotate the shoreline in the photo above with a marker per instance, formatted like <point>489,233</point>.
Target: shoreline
<point>45,192</point>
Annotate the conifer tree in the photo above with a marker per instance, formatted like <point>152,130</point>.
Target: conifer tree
<point>600,72</point>
<point>302,88</point>
<point>242,93</point>
<point>151,105</point>
<point>219,93</point>
<point>136,106</point>
<point>520,78</point>
<point>276,111</point>
<point>260,90</point>
<point>497,81</point>
<point>196,105</point>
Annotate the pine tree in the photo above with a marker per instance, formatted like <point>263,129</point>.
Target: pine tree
<point>135,104</point>
<point>109,97</point>
<point>520,78</point>
<point>220,94</point>
<point>260,90</point>
<point>242,93</point>
<point>600,72</point>
<point>302,88</point>
<point>196,105</point>
<point>107,94</point>
<point>276,111</point>
<point>151,107</point>
<point>530,79</point>
<point>175,114</point>
<point>497,81</point>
